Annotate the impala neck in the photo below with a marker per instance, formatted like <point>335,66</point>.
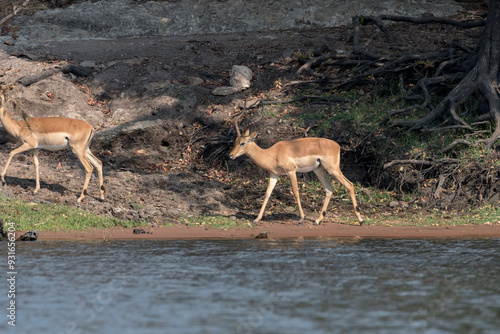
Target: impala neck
<point>10,125</point>
<point>259,156</point>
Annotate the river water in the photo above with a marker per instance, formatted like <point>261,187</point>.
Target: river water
<point>257,286</point>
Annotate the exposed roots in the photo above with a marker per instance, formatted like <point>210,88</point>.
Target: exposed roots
<point>452,88</point>
<point>449,186</point>
<point>454,76</point>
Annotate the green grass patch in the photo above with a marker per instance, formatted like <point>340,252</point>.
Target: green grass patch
<point>213,221</point>
<point>52,217</point>
<point>486,215</point>
<point>367,116</point>
<point>378,211</point>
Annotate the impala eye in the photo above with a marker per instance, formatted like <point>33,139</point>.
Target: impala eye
<point>242,144</point>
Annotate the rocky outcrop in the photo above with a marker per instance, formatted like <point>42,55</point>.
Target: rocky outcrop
<point>121,19</point>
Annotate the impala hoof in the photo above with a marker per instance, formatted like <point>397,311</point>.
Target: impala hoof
<point>316,223</point>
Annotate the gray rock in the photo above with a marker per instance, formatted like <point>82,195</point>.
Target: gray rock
<point>241,77</point>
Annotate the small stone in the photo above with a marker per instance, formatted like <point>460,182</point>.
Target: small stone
<point>141,231</point>
<point>195,81</point>
<point>261,235</point>
<point>29,236</point>
<point>88,63</point>
<point>224,90</point>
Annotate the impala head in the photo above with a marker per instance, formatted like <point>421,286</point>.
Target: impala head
<point>241,143</point>
<point>6,88</point>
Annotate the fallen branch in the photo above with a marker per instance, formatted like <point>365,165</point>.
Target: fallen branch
<point>14,13</point>
<point>77,70</point>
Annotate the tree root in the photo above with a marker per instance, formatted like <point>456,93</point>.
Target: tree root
<point>446,184</point>
<point>464,72</point>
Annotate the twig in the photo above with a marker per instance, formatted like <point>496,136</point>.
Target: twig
<point>439,186</point>
<point>14,13</point>
<point>407,162</point>
<point>431,162</point>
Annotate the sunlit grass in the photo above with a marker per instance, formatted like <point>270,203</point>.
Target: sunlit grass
<point>52,217</point>
<point>486,215</point>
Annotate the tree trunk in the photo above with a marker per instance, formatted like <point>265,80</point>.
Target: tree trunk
<point>488,67</point>
<point>483,77</point>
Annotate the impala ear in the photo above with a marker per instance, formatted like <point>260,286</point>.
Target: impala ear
<point>253,135</point>
<point>246,133</point>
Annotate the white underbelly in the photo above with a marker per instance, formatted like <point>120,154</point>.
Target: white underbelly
<point>53,142</point>
<point>54,147</point>
<point>309,168</point>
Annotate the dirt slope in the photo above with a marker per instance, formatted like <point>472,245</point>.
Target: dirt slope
<point>173,161</point>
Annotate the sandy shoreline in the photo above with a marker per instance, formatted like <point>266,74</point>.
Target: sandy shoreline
<point>278,231</point>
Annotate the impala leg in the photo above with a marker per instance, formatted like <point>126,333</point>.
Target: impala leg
<point>37,170</point>
<point>88,170</point>
<point>23,148</point>
<point>295,189</point>
<point>320,172</point>
<point>98,165</point>
<point>270,187</point>
<point>350,187</point>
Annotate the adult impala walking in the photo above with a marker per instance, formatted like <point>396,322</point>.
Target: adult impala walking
<point>50,133</point>
<point>303,155</point>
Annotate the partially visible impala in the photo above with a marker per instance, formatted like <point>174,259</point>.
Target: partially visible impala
<point>50,133</point>
<point>318,155</point>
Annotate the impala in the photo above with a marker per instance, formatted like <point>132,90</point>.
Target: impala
<point>50,133</point>
<point>318,155</point>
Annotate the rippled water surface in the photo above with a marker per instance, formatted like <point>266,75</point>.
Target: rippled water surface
<point>257,286</point>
